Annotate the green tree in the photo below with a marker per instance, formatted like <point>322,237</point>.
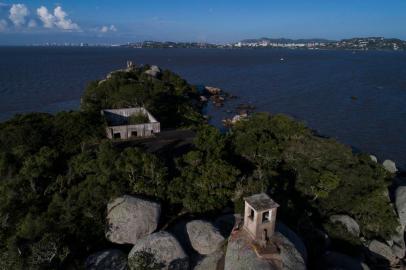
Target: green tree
<point>144,172</point>
<point>206,181</point>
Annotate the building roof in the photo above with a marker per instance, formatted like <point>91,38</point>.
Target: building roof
<point>261,202</point>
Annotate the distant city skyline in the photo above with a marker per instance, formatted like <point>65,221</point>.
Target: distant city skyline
<point>118,22</point>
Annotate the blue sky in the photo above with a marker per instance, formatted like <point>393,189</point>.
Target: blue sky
<point>107,21</point>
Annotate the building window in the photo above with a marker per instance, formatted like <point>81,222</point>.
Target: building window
<point>117,136</point>
<point>134,134</point>
<point>251,215</point>
<point>266,216</point>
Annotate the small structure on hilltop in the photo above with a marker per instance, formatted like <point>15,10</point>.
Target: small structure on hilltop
<point>129,123</point>
<point>258,244</point>
<point>260,217</point>
<point>130,66</point>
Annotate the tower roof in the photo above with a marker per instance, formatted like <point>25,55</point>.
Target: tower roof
<point>261,202</point>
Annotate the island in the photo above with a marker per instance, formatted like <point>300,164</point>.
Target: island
<point>77,194</point>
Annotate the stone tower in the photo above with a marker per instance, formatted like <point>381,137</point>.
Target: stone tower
<point>260,217</point>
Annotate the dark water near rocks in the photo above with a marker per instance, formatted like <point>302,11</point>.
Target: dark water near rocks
<point>313,86</point>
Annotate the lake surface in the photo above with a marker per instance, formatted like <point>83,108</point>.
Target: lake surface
<point>315,87</point>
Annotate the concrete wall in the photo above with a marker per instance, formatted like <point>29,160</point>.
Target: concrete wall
<point>130,131</point>
<point>255,227</point>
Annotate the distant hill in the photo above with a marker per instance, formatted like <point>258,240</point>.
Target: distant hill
<point>287,40</point>
<point>363,43</point>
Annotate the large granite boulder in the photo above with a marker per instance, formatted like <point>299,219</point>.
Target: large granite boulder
<point>336,261</point>
<point>397,243</point>
<point>213,90</point>
<point>400,201</point>
<point>241,254</point>
<point>165,248</point>
<point>293,238</point>
<point>130,218</point>
<point>383,251</point>
<point>203,236</point>
<point>390,166</point>
<point>211,261</point>
<point>153,71</point>
<point>373,158</point>
<point>291,258</point>
<point>351,225</point>
<point>112,259</point>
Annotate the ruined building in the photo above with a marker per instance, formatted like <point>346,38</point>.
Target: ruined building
<point>129,123</point>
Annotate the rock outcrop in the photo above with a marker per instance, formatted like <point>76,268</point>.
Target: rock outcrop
<point>242,255</point>
<point>130,218</point>
<point>351,225</point>
<point>383,251</point>
<point>291,257</point>
<point>373,158</point>
<point>400,201</point>
<point>111,259</point>
<point>211,261</point>
<point>204,237</point>
<point>153,71</point>
<point>397,243</point>
<point>165,248</point>
<point>293,238</point>
<point>213,90</point>
<point>390,166</point>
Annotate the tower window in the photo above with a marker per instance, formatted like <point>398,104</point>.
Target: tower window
<point>266,216</point>
<point>251,215</point>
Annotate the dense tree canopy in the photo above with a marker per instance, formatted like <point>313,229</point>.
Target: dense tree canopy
<point>53,199</point>
<point>206,181</point>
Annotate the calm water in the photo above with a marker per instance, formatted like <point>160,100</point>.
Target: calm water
<point>313,86</point>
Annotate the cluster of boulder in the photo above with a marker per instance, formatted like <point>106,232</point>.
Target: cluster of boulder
<point>391,251</point>
<point>189,244</point>
<point>388,164</point>
<point>132,220</point>
<point>216,95</point>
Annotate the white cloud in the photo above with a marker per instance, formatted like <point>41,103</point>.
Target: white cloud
<point>58,19</point>
<point>47,18</point>
<point>62,22</point>
<point>18,12</point>
<point>32,23</point>
<point>105,29</point>
<point>3,25</point>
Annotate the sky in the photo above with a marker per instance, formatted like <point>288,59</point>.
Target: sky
<point>217,21</point>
